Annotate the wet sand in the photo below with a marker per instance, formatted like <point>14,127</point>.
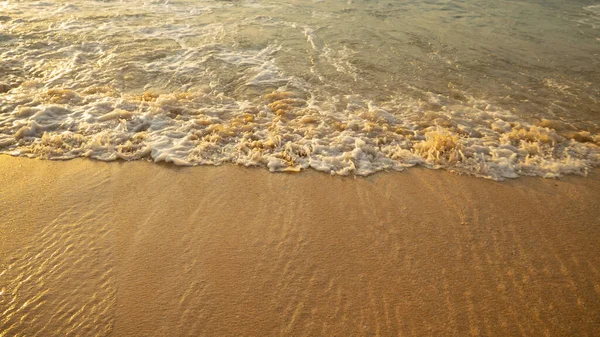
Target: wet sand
<point>139,249</point>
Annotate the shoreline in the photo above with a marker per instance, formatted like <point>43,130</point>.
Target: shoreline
<point>135,248</point>
<point>592,172</point>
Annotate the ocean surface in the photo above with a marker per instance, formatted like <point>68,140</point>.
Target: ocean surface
<point>496,89</point>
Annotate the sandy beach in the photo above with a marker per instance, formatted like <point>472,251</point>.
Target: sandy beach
<point>139,249</point>
<point>299,168</point>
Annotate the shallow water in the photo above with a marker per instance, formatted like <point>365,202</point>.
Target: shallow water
<point>495,90</point>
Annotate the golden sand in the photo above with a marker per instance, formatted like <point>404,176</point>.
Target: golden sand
<point>139,249</point>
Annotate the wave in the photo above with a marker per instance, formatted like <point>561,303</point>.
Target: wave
<point>287,91</point>
<point>285,132</point>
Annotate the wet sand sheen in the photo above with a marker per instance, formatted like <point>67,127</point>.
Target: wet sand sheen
<point>138,249</point>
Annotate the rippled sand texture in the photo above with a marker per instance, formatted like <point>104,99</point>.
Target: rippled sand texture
<point>136,249</point>
<point>345,87</point>
<point>56,252</point>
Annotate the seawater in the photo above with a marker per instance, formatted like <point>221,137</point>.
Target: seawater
<point>487,88</point>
